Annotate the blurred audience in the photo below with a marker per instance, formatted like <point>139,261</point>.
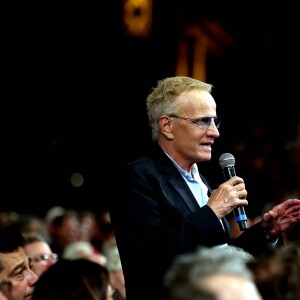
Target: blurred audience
<point>29,223</point>
<point>257,163</point>
<point>52,213</point>
<point>277,273</point>
<point>87,225</point>
<point>68,235</point>
<point>63,230</point>
<point>104,231</point>
<point>8,218</point>
<point>292,236</point>
<point>291,162</point>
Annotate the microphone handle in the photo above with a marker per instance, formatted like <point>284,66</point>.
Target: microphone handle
<point>239,212</point>
<point>229,172</point>
<point>240,217</point>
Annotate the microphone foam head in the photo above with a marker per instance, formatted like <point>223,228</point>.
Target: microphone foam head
<point>226,160</point>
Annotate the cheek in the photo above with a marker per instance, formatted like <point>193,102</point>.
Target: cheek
<point>189,136</point>
<point>182,133</point>
<point>18,290</point>
<point>38,269</point>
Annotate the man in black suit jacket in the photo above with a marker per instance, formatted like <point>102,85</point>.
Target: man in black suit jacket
<point>167,207</point>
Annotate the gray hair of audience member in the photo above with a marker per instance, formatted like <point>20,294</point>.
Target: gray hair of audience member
<point>185,274</point>
<point>31,237</point>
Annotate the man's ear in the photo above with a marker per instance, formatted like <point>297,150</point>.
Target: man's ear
<point>166,127</point>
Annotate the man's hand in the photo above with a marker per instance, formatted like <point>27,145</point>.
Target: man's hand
<point>228,196</point>
<point>281,217</point>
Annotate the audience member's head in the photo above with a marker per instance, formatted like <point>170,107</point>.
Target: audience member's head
<point>78,279</point>
<point>30,223</point>
<point>83,249</point>
<point>104,230</point>
<point>87,225</point>
<point>15,264</point>
<point>219,272</point>
<point>277,273</point>
<point>8,218</point>
<point>39,251</point>
<point>63,230</point>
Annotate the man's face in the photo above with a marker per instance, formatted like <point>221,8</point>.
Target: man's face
<point>16,268</point>
<point>41,256</point>
<point>187,137</point>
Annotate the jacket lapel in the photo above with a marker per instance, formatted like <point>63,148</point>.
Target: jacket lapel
<point>183,190</point>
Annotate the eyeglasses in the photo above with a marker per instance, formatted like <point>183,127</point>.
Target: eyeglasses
<point>45,257</point>
<point>203,122</point>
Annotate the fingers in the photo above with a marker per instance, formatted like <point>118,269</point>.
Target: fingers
<point>238,186</point>
<point>282,216</point>
<point>266,217</point>
<point>235,180</point>
<point>285,208</point>
<point>228,196</point>
<point>290,203</point>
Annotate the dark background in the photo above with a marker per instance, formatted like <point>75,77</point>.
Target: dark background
<point>74,87</point>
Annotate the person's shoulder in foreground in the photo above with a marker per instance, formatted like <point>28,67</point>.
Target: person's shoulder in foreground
<point>220,271</point>
<point>73,279</point>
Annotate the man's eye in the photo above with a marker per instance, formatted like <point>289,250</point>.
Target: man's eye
<point>204,120</point>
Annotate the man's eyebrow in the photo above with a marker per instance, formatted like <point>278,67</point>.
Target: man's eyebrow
<point>19,266</point>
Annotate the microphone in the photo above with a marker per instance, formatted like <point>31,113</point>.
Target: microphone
<point>227,161</point>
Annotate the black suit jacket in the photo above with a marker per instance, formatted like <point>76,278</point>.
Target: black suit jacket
<point>156,217</point>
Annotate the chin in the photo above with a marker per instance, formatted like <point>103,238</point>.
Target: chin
<point>205,157</point>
